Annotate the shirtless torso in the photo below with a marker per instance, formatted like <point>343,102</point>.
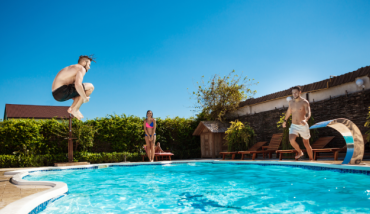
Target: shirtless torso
<point>68,85</point>
<point>299,109</point>
<point>67,76</point>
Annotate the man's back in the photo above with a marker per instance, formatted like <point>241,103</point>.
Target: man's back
<point>66,76</point>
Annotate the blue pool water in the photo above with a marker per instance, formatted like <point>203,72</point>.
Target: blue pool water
<point>207,187</point>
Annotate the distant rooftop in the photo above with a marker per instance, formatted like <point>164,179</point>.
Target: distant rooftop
<point>13,111</point>
<point>324,84</point>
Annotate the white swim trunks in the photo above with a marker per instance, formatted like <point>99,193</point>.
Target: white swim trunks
<point>303,131</point>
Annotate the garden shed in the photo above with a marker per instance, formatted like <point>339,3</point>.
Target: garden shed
<point>212,140</point>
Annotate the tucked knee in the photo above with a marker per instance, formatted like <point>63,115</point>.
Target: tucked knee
<point>91,88</point>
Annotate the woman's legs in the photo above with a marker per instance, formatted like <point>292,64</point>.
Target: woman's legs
<point>148,148</point>
<point>153,147</point>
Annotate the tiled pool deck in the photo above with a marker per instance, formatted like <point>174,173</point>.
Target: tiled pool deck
<point>10,192</point>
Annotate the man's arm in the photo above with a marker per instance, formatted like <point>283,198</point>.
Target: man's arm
<point>78,84</point>
<point>307,110</point>
<point>287,115</point>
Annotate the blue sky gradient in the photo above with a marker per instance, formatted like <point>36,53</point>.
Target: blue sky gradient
<point>149,52</point>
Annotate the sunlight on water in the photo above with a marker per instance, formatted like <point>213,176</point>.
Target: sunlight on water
<point>206,187</point>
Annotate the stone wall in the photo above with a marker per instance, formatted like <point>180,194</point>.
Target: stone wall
<point>352,106</point>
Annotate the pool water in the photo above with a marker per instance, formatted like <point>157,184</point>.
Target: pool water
<point>207,187</point>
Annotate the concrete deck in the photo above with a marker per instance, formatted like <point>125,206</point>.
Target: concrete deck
<point>10,192</point>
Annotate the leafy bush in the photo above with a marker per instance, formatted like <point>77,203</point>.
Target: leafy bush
<point>118,133</point>
<point>49,160</point>
<point>21,137</point>
<point>239,136</point>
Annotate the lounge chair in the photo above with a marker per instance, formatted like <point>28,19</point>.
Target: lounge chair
<point>335,151</point>
<point>228,153</point>
<point>162,155</point>
<point>255,147</point>
<point>271,148</point>
<point>318,144</point>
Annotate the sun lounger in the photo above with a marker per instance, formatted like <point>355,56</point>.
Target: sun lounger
<point>319,144</point>
<point>255,147</point>
<point>162,155</point>
<point>228,153</point>
<point>335,151</point>
<point>271,148</point>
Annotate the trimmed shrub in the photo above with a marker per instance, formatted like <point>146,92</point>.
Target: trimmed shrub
<point>239,136</point>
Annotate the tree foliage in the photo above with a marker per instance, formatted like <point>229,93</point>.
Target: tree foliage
<point>118,133</point>
<point>221,95</point>
<point>239,136</point>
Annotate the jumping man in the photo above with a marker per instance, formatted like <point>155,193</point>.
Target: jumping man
<point>300,110</point>
<point>68,85</point>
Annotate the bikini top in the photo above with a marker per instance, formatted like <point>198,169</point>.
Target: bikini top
<point>149,126</point>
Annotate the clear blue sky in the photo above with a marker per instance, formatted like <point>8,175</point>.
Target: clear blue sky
<point>149,52</point>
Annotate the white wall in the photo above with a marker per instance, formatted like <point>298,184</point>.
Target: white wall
<point>313,96</point>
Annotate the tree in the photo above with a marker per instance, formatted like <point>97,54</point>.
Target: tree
<point>222,95</point>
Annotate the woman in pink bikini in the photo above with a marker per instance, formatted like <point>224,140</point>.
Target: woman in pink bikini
<point>149,128</point>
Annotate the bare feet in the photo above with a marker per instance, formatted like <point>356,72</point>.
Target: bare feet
<point>299,155</point>
<point>75,114</point>
<point>79,113</point>
<point>69,110</point>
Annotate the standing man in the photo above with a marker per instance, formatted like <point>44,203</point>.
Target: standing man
<point>300,110</point>
<point>68,85</point>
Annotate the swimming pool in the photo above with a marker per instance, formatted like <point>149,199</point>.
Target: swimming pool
<point>208,187</point>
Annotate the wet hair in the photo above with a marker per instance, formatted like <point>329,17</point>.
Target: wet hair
<point>297,87</point>
<point>147,114</point>
<point>86,57</point>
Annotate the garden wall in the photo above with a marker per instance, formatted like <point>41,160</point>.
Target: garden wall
<point>352,106</point>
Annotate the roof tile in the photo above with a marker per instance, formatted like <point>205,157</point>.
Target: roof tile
<point>36,111</point>
<point>335,81</point>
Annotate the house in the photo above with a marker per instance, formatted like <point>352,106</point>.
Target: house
<point>332,87</point>
<point>212,140</point>
<point>14,111</point>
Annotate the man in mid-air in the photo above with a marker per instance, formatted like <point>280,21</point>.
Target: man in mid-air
<point>300,110</point>
<point>68,85</point>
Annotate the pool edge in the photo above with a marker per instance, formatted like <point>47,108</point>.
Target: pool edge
<point>37,202</point>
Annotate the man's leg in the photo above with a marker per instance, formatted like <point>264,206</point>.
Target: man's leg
<point>308,147</point>
<point>295,145</point>
<point>75,107</point>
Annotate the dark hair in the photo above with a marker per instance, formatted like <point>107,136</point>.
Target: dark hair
<point>82,57</point>
<point>297,87</point>
<point>147,114</point>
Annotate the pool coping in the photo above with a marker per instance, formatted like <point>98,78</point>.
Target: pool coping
<point>37,202</point>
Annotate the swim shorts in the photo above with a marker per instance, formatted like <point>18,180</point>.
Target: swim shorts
<point>66,92</point>
<point>303,131</point>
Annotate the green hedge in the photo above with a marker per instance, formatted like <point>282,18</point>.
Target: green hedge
<point>30,138</point>
<point>7,161</point>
